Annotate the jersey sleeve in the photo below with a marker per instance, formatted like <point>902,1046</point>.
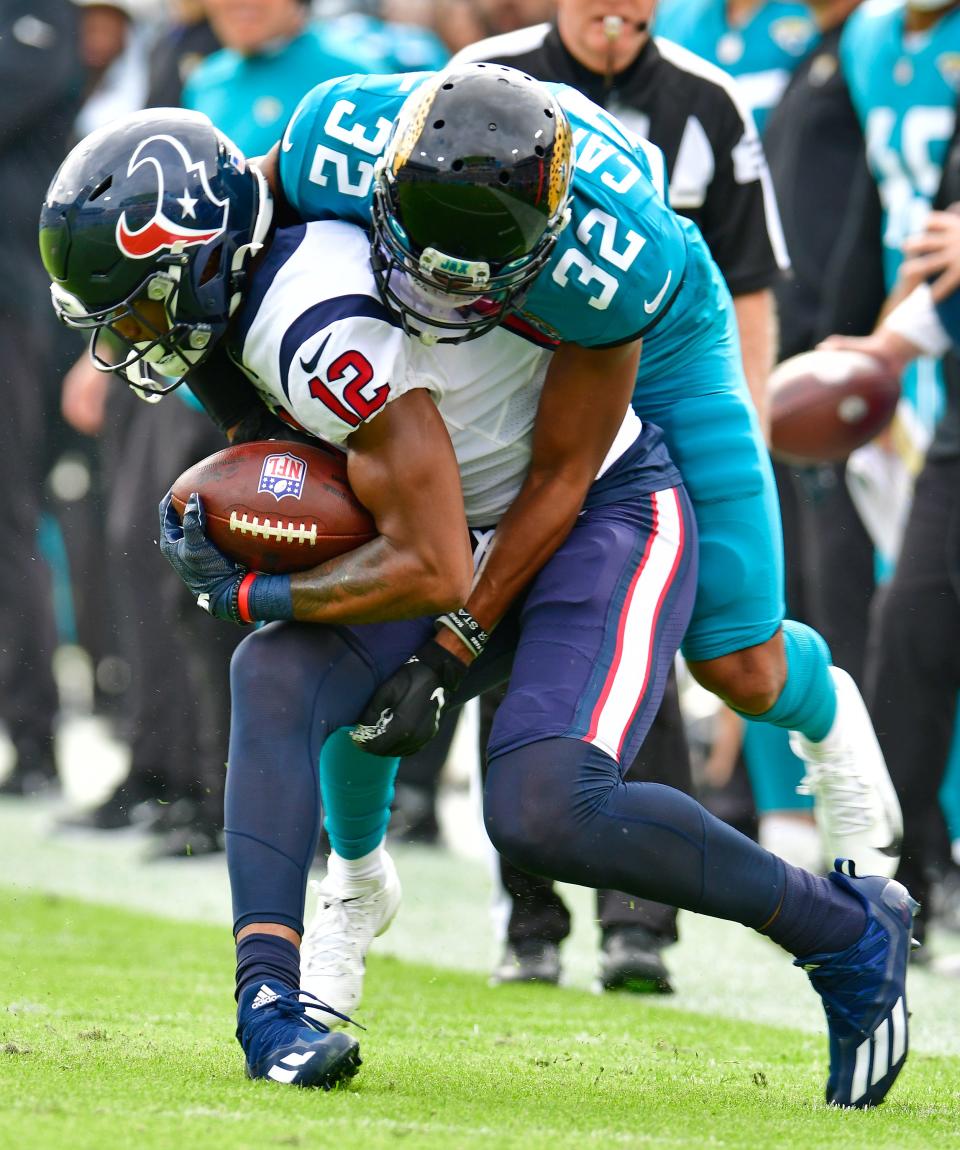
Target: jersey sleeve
<point>342,375</point>
<point>620,261</point>
<point>296,148</point>
<point>332,141</point>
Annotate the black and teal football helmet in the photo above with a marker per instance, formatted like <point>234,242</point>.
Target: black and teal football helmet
<point>469,199</point>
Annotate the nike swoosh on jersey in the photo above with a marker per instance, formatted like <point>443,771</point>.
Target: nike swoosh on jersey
<point>310,364</point>
<point>651,305</point>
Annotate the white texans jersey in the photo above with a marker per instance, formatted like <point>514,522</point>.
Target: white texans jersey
<point>326,355</point>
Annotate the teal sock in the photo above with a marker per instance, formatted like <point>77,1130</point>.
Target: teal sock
<point>808,701</point>
<point>775,771</point>
<point>357,791</point>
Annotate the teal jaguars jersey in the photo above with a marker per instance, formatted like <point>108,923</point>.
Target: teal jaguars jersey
<point>625,266</point>
<point>904,88</point>
<point>251,98</point>
<point>761,52</point>
<point>386,46</point>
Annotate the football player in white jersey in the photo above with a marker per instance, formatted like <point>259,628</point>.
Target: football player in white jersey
<point>368,648</point>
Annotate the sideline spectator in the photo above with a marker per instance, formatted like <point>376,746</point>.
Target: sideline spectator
<point>43,75</point>
<point>760,42</point>
<point>272,55</point>
<point>175,779</point>
<point>913,673</point>
<point>179,48</point>
<point>898,60</point>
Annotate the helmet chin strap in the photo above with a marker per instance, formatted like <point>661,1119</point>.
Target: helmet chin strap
<point>261,227</point>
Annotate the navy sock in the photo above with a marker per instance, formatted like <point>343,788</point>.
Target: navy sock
<point>266,956</point>
<point>815,916</point>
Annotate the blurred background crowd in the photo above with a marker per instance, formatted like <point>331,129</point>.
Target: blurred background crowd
<point>855,105</point>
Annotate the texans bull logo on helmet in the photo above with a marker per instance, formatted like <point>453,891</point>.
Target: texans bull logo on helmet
<point>166,154</point>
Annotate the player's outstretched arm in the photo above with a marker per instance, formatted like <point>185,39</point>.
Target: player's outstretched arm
<point>403,469</point>
<point>584,400</point>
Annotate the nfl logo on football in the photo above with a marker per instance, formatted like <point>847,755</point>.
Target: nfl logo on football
<point>283,475</point>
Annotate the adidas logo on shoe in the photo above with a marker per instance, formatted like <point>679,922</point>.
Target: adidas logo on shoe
<point>264,997</point>
<point>282,1044</point>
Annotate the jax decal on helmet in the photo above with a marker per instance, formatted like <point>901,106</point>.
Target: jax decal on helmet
<point>468,202</point>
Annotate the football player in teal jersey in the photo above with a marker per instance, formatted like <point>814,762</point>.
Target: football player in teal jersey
<point>901,60</point>
<point>584,630</point>
<point>595,275</point>
<point>760,42</point>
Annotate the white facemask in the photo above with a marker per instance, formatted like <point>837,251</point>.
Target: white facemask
<point>431,302</point>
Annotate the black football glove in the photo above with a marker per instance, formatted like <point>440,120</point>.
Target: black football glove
<point>212,578</point>
<point>405,711</point>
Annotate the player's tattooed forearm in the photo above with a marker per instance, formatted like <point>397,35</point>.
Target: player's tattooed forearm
<point>354,576</point>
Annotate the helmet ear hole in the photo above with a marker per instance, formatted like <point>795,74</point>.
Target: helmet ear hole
<point>212,266</point>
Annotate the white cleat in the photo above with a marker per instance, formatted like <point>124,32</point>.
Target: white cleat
<point>335,945</point>
<point>855,804</point>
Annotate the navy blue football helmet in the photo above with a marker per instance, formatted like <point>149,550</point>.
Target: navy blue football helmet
<point>145,232</point>
<point>469,199</point>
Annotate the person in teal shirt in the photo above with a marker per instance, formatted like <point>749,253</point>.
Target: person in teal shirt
<point>901,61</point>
<point>758,43</point>
<point>392,47</point>
<point>269,60</point>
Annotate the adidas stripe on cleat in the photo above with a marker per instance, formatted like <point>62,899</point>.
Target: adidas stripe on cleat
<point>284,1044</point>
<point>864,994</point>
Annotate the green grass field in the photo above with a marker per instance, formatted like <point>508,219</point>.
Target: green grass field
<point>116,1032</point>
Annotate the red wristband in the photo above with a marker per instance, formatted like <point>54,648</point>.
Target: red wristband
<point>243,597</point>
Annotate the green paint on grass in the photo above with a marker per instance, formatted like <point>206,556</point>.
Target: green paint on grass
<point>116,1033</point>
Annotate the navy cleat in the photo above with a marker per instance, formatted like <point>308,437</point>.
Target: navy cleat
<point>864,992</point>
<point>283,1043</point>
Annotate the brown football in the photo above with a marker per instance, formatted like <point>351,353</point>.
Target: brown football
<point>826,403</point>
<point>275,506</point>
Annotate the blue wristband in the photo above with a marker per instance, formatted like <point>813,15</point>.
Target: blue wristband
<point>264,598</point>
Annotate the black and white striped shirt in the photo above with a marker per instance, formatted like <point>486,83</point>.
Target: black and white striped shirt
<point>693,112</point>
